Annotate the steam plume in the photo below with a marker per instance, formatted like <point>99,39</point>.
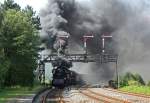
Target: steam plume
<point>127,21</point>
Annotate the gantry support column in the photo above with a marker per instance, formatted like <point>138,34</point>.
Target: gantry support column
<point>42,72</point>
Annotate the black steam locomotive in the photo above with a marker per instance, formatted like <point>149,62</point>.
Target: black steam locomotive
<point>62,76</point>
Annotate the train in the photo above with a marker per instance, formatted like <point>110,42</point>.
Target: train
<point>63,76</point>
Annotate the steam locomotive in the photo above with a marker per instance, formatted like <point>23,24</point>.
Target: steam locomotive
<point>62,76</point>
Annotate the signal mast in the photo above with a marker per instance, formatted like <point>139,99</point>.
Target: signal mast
<point>85,38</point>
<point>65,39</point>
<point>103,41</point>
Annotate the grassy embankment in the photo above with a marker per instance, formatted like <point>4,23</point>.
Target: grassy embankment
<point>8,93</point>
<point>137,89</point>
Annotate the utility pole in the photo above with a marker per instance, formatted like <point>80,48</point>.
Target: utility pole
<point>117,75</point>
<point>41,71</point>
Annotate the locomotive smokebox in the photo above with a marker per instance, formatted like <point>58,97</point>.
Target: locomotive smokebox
<point>61,72</point>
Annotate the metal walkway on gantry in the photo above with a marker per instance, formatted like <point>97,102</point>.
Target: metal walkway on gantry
<point>84,58</point>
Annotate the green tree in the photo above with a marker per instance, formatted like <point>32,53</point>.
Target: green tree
<point>32,15</point>
<point>139,79</point>
<point>2,69</point>
<point>4,65</point>
<point>148,83</point>
<point>10,4</point>
<point>129,76</point>
<point>131,79</point>
<point>1,15</point>
<point>19,44</point>
<point>123,81</point>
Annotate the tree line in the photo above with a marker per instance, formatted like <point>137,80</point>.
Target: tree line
<point>132,79</point>
<point>19,43</point>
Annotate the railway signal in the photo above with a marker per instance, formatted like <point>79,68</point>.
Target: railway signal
<point>63,40</point>
<point>104,36</point>
<point>63,36</point>
<point>85,38</point>
<point>103,41</point>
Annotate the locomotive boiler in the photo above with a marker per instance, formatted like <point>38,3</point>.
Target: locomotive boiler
<point>62,75</point>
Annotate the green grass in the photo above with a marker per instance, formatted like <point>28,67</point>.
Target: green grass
<point>137,89</point>
<point>7,93</point>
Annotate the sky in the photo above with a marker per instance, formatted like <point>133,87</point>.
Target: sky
<point>36,4</point>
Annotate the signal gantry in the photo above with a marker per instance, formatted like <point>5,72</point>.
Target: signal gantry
<point>102,57</point>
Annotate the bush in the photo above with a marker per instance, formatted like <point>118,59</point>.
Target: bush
<point>131,79</point>
<point>148,84</point>
<point>139,79</point>
<point>133,83</point>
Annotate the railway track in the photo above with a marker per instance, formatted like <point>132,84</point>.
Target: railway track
<point>40,95</point>
<point>102,98</point>
<point>129,93</point>
<point>89,95</point>
<point>127,98</point>
<point>54,96</point>
<point>51,95</point>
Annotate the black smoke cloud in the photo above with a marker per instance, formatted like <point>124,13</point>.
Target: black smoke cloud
<point>127,21</point>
